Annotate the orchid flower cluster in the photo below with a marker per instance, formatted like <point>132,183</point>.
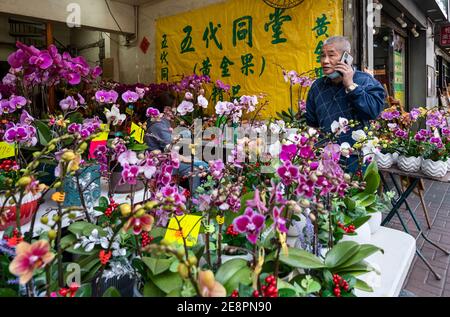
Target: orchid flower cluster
<point>311,173</point>
<point>49,67</point>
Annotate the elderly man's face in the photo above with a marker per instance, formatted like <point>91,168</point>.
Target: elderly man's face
<point>329,58</point>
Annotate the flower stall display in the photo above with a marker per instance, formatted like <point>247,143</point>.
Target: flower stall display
<point>226,237</point>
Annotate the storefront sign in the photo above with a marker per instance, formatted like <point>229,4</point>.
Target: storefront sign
<point>245,44</point>
<point>445,35</point>
<point>399,79</point>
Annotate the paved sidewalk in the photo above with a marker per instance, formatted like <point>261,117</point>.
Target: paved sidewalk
<point>420,281</point>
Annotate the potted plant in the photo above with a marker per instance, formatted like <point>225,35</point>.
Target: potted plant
<point>434,155</point>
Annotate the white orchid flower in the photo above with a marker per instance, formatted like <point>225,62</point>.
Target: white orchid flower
<point>359,135</point>
<point>114,116</point>
<point>202,101</point>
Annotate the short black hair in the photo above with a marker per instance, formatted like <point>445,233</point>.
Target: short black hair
<point>164,99</point>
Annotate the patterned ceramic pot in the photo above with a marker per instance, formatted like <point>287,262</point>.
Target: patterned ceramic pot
<point>436,169</point>
<point>384,160</point>
<point>409,163</point>
<point>27,210</point>
<point>375,221</point>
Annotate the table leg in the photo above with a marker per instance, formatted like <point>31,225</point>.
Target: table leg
<point>416,222</point>
<point>394,211</point>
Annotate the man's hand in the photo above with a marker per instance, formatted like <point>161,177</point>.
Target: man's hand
<point>347,73</point>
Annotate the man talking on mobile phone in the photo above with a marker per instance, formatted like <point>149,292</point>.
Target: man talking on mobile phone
<point>343,92</point>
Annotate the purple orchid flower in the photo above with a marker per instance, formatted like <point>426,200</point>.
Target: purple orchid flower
<point>74,128</point>
<point>152,112</point>
<point>216,168</point>
<point>278,221</point>
<point>96,71</point>
<point>288,173</point>
<point>68,103</point>
<point>43,60</point>
<point>332,152</point>
<point>251,223</point>
<point>130,174</point>
<point>130,96</point>
<point>288,152</point>
<point>17,101</point>
<point>5,106</point>
<point>26,118</point>
<point>257,203</point>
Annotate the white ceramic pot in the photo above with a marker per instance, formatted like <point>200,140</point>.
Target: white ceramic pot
<point>409,163</point>
<point>395,157</point>
<point>384,160</point>
<point>375,221</point>
<point>363,235</point>
<point>436,169</point>
<point>448,164</point>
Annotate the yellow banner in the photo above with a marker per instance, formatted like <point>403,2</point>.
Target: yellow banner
<point>246,44</point>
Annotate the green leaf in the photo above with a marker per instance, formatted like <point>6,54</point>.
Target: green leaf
<point>286,292</point>
<point>349,203</point>
<point>369,200</point>
<point>372,182</point>
<point>360,221</point>
<point>151,290</point>
<point>372,168</point>
<point>111,292</point>
<point>44,132</point>
<point>340,253</point>
<point>364,251</point>
<point>68,240</point>
<point>363,286</point>
<point>358,267</point>
<point>79,226</point>
<point>138,147</point>
<point>301,259</point>
<point>228,269</point>
<point>103,202</point>
<point>85,290</point>
<point>7,292</point>
<point>156,265</point>
<point>167,281</point>
<point>243,276</point>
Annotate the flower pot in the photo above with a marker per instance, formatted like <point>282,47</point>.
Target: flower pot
<point>395,157</point>
<point>375,221</point>
<point>384,160</point>
<point>89,179</point>
<point>409,163</point>
<point>125,284</point>
<point>363,235</point>
<point>27,210</point>
<point>436,169</point>
<point>136,291</point>
<point>448,164</point>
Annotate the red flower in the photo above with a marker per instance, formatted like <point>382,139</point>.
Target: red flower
<point>104,256</point>
<point>70,291</point>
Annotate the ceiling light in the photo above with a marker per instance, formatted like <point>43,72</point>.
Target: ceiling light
<point>401,21</point>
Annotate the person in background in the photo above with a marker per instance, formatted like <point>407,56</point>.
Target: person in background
<point>159,135</point>
<point>343,92</point>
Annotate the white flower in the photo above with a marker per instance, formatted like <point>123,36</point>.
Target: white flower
<point>223,107</point>
<point>359,135</point>
<point>392,126</point>
<point>275,128</point>
<point>128,157</point>
<point>202,101</point>
<point>275,149</point>
<point>185,107</point>
<point>346,149</point>
<point>149,171</point>
<point>114,115</point>
<point>312,132</point>
<point>340,126</point>
<point>188,96</point>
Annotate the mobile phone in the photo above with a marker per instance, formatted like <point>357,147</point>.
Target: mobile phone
<point>347,59</point>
